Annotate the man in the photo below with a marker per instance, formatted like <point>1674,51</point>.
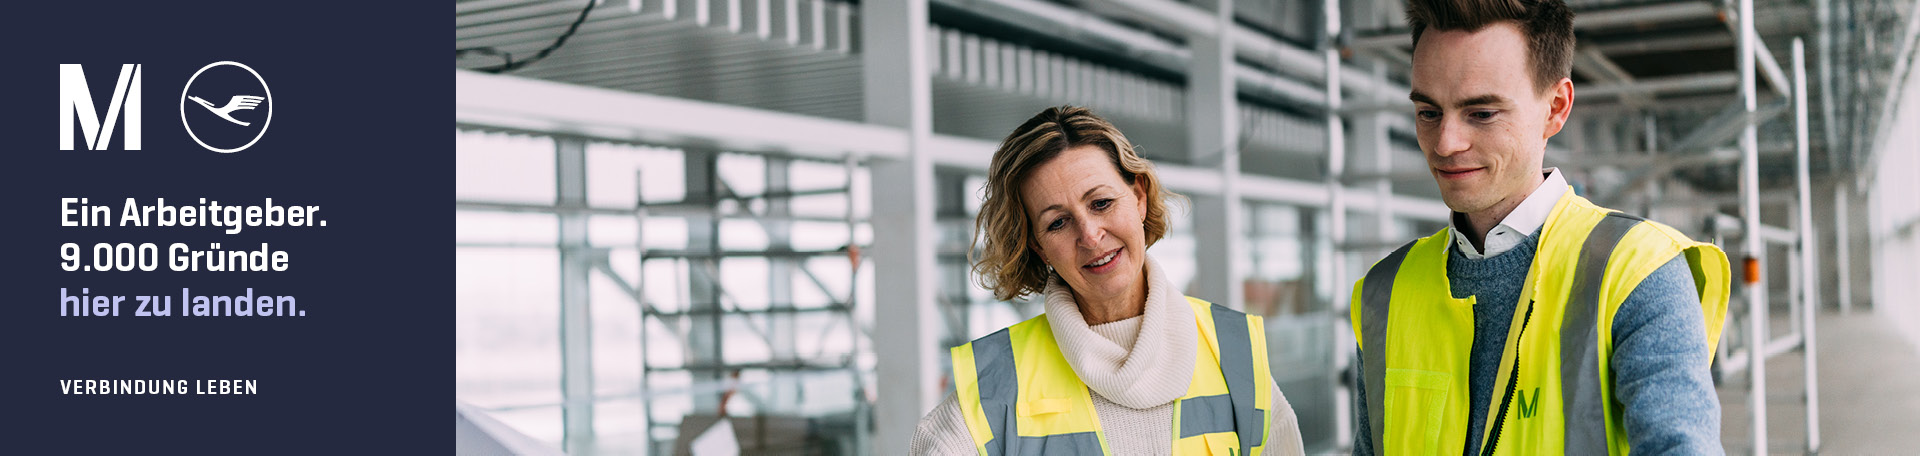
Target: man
<point>1537,323</point>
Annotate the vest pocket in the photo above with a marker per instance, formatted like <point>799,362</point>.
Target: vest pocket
<point>1416,409</point>
<point>1223,444</point>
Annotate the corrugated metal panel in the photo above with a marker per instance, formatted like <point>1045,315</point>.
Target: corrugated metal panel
<point>785,55</point>
<point>798,56</point>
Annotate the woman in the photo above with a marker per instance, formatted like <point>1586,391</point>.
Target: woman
<point>1121,363</point>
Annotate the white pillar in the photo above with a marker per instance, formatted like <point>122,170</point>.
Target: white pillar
<point>1809,293</point>
<point>1213,139</point>
<point>1755,248</point>
<point>782,389</point>
<point>905,334</point>
<point>705,331</point>
<point>1336,196</point>
<point>1336,156</point>
<point>1842,245</point>
<point>576,313</point>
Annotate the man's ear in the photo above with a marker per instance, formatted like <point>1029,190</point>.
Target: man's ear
<point>1559,107</point>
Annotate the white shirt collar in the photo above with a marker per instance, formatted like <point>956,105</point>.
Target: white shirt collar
<point>1524,220</point>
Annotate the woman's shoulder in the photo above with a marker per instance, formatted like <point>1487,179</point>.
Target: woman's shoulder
<point>943,431</point>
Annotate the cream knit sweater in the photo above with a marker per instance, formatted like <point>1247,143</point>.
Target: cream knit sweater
<point>1136,368</point>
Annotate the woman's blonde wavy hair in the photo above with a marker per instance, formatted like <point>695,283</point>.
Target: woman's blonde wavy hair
<point>1005,260</point>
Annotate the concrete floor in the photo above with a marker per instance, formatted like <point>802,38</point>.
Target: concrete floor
<point>1869,393</point>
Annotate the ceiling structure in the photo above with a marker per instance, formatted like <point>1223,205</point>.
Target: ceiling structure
<point>1652,76</point>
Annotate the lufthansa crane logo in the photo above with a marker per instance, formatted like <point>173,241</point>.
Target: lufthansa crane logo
<point>237,123</point>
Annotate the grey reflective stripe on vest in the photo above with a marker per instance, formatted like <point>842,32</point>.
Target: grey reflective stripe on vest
<point>1376,293</point>
<point>1206,415</point>
<point>999,389</point>
<point>1236,364</point>
<point>1235,411</point>
<point>1586,425</point>
<point>1078,443</point>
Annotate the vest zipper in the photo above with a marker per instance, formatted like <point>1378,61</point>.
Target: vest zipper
<point>1493,439</point>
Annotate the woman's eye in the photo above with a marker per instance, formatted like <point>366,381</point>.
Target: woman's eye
<point>1057,223</point>
<point>1102,204</point>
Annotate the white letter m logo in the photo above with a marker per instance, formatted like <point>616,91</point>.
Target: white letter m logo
<point>77,101</point>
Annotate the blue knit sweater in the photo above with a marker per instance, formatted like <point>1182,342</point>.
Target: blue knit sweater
<point>1658,373</point>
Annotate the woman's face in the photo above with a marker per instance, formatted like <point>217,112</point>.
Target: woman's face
<point>1089,225</point>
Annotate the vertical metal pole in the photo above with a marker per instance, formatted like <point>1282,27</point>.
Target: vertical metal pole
<point>781,329</point>
<point>645,311</point>
<point>704,357</point>
<point>1336,155</point>
<point>863,393</point>
<point>1823,43</point>
<point>576,313</point>
<point>1650,143</point>
<point>1755,248</point>
<point>898,93</point>
<point>1213,120</point>
<point>1809,294</point>
<point>1336,189</point>
<point>1842,246</point>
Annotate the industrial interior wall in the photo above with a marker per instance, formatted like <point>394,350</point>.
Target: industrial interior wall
<point>1893,207</point>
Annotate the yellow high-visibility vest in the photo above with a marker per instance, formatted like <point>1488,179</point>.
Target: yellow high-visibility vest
<point>1020,397</point>
<point>1415,337</point>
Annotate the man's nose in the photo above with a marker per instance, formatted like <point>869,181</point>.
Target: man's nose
<point>1451,138</point>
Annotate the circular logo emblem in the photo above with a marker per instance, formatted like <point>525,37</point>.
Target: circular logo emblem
<point>226,107</point>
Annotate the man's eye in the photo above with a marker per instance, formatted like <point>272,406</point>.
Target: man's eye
<point>1102,204</point>
<point>1426,114</point>
<point>1057,223</point>
<point>1482,115</point>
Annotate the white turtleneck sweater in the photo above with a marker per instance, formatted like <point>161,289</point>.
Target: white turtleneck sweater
<point>1135,368</point>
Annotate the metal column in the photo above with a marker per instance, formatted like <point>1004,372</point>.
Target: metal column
<point>1809,293</point>
<point>1213,120</point>
<point>1754,245</point>
<point>704,292</point>
<point>1336,154</point>
<point>1336,190</point>
<point>780,270</point>
<point>1842,246</point>
<point>899,93</point>
<point>576,313</point>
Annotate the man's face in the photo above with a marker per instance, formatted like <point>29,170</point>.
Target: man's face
<point>1481,123</point>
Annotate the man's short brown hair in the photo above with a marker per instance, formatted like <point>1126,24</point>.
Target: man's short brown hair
<point>1548,25</point>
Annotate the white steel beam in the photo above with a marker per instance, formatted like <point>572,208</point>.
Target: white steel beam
<point>1656,13</point>
<point>523,104</point>
<point>1700,82</point>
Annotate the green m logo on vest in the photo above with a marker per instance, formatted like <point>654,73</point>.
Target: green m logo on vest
<point>1528,407</point>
